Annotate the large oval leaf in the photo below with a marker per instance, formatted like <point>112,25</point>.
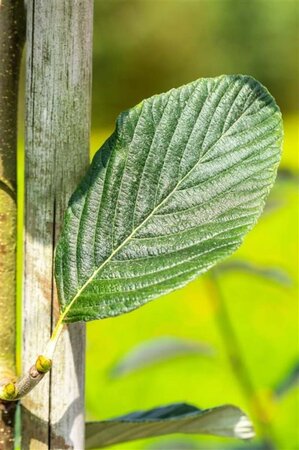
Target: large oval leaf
<point>174,190</point>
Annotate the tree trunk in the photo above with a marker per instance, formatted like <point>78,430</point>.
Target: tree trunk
<point>58,91</point>
<point>12,35</point>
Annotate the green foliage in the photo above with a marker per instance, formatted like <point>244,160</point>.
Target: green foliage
<point>271,273</point>
<point>156,351</point>
<point>226,420</point>
<point>173,191</point>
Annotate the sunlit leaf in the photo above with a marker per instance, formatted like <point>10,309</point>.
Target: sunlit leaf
<point>225,420</point>
<point>158,350</point>
<point>173,191</point>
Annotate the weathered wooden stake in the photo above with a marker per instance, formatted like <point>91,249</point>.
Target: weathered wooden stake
<point>58,90</point>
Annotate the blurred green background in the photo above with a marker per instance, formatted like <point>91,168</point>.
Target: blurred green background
<point>144,47</point>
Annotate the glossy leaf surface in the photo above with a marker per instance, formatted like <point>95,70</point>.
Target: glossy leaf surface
<point>173,191</point>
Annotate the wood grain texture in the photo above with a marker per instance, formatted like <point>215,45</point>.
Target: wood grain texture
<point>58,88</point>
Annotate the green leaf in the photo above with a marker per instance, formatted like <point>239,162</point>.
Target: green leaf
<point>156,351</point>
<point>173,191</point>
<point>274,274</point>
<point>226,420</point>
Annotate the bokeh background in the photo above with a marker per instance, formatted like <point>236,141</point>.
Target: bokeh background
<point>240,345</point>
<point>144,47</point>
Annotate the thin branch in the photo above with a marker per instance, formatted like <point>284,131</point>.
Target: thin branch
<point>12,38</point>
<point>12,390</point>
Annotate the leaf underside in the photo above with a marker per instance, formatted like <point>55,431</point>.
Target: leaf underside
<point>226,420</point>
<point>173,191</point>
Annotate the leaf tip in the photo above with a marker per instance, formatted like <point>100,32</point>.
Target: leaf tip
<point>244,428</point>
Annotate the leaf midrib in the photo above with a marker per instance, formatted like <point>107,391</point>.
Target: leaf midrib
<point>114,252</point>
<point>98,270</point>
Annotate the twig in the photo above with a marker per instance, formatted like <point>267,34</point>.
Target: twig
<point>11,390</point>
<point>12,38</point>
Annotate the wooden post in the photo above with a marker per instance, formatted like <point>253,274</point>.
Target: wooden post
<point>12,36</point>
<point>58,91</point>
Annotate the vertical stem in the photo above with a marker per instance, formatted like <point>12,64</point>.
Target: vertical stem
<point>237,363</point>
<point>58,91</point>
<point>12,35</point>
